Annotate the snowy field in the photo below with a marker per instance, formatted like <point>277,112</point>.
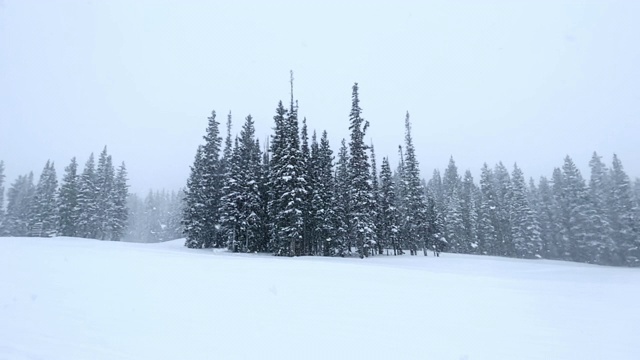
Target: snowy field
<point>66,298</point>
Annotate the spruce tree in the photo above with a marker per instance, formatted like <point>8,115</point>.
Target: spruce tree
<point>19,205</point>
<point>603,249</point>
<point>342,244</point>
<point>415,216</point>
<point>360,215</point>
<point>44,207</point>
<point>2,213</point>
<point>69,210</point>
<point>487,214</point>
<point>307,219</point>
<point>117,222</point>
<point>468,204</point>
<point>454,223</point>
<point>621,215</point>
<point>525,230</point>
<point>547,220</point>
<point>375,202</point>
<point>323,208</point>
<point>212,181</point>
<point>87,201</point>
<point>389,215</point>
<point>105,177</point>
<point>287,183</point>
<point>503,190</point>
<point>193,220</point>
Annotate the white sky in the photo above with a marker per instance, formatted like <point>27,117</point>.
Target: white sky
<point>483,80</point>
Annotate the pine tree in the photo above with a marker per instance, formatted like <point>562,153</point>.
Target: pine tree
<point>307,219</point>
<point>322,205</point>
<point>574,209</point>
<point>360,215</point>
<point>44,207</point>
<point>549,228</point>
<point>117,222</point>
<point>525,230</point>
<point>468,205</point>
<point>503,190</point>
<point>375,201</point>
<point>621,215</point>
<point>19,205</point>
<point>454,223</point>
<point>2,213</point>
<point>450,181</point>
<point>435,226</point>
<point>287,182</point>
<point>603,250</point>
<point>487,214</point>
<point>390,217</point>
<point>193,220</point>
<point>201,218</point>
<point>105,177</point>
<point>342,202</point>
<point>87,201</point>
<point>415,216</point>
<point>69,210</point>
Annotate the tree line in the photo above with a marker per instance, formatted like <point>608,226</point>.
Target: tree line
<point>91,204</point>
<point>292,197</point>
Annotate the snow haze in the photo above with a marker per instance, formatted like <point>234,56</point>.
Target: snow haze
<point>483,80</point>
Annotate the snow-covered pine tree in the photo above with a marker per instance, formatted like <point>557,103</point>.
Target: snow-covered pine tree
<point>621,215</point>
<point>69,210</point>
<point>117,222</point>
<point>44,207</point>
<point>375,202</point>
<point>549,228</point>
<point>360,215</point>
<point>435,227</point>
<point>401,204</point>
<point>342,243</point>
<point>414,196</point>
<point>454,223</point>
<point>389,215</point>
<point>87,201</point>
<point>603,250</point>
<point>488,219</point>
<point>105,177</point>
<point>19,200</point>
<point>450,181</point>
<point>502,187</point>
<point>212,181</point>
<point>574,204</point>
<point>193,221</point>
<point>468,204</point>
<point>263,188</point>
<point>525,230</point>
<point>287,182</point>
<point>322,205</point>
<point>231,201</point>
<point>308,240</point>
<point>2,213</point>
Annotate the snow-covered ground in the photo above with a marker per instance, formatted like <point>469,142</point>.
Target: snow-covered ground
<point>65,298</point>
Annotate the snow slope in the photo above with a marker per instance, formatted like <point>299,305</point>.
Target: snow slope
<point>65,298</point>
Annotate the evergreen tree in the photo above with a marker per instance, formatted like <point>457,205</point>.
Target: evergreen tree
<point>44,207</point>
<point>525,230</point>
<point>193,219</point>
<point>603,249</point>
<point>69,210</point>
<point>574,209</point>
<point>450,181</point>
<point>307,219</point>
<point>323,208</point>
<point>19,200</point>
<point>2,213</point>
<point>87,201</point>
<point>503,191</point>
<point>468,205</point>
<point>375,201</point>
<point>435,226</point>
<point>201,218</point>
<point>621,215</point>
<point>287,183</point>
<point>342,202</point>
<point>118,219</point>
<point>105,177</point>
<point>415,216</point>
<point>487,214</point>
<point>546,211</point>
<point>454,223</point>
<point>360,215</point>
<point>390,217</point>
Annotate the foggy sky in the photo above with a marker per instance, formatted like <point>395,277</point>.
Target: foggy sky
<point>484,81</point>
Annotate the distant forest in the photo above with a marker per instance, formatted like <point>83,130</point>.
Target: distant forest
<point>292,197</point>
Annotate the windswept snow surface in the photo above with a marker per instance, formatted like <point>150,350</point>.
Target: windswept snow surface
<point>66,298</point>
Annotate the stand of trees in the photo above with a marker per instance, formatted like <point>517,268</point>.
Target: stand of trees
<point>292,197</point>
<point>91,204</point>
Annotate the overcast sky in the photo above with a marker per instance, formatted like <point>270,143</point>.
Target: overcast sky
<point>484,81</point>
